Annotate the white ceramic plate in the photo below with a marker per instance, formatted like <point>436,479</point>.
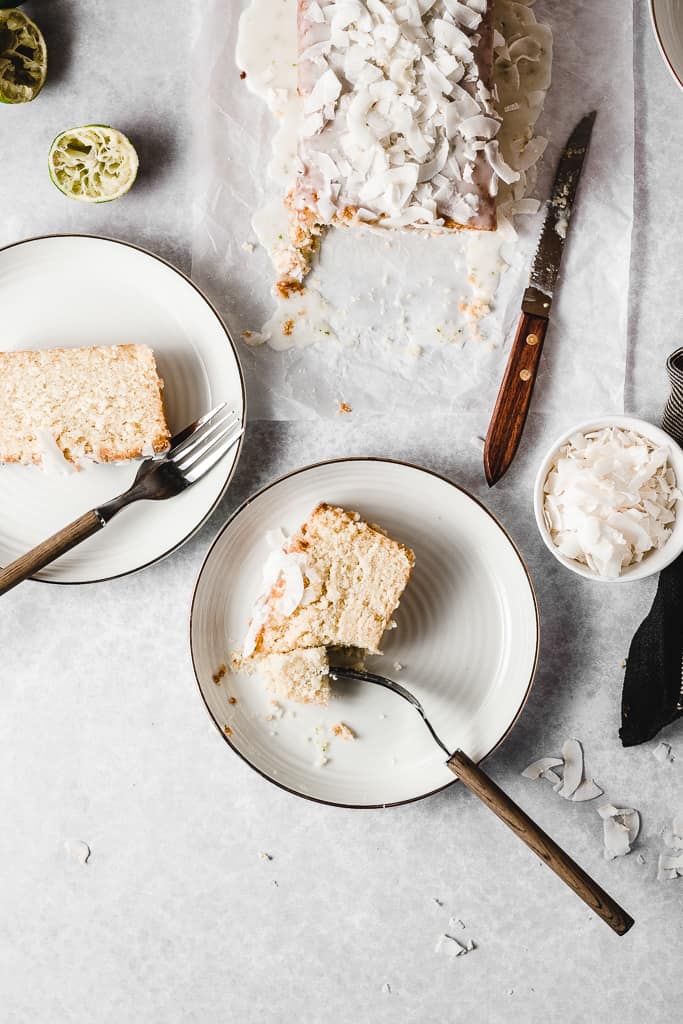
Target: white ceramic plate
<point>667,21</point>
<point>70,290</point>
<point>467,638</point>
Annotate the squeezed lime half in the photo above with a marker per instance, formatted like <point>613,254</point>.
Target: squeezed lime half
<point>23,58</point>
<point>93,164</point>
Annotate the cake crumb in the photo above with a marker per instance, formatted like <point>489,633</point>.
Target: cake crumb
<point>622,663</point>
<point>344,407</point>
<point>265,856</point>
<point>287,327</point>
<point>243,75</point>
<point>232,700</point>
<point>248,246</point>
<point>397,666</point>
<point>276,710</point>
<point>247,334</point>
<point>287,288</point>
<point>219,673</point>
<point>227,730</point>
<point>342,730</point>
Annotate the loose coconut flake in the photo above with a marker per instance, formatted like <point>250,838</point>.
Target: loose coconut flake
<point>670,864</point>
<point>572,785</point>
<point>447,945</point>
<point>663,753</point>
<point>77,850</point>
<point>539,769</point>
<point>620,828</point>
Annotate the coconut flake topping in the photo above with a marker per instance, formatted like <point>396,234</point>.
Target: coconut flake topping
<point>396,116</point>
<point>610,498</point>
<point>288,582</point>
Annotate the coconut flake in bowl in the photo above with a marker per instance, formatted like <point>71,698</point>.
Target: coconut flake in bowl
<point>606,499</point>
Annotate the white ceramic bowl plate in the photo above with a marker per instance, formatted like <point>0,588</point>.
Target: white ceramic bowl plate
<point>667,21</point>
<point>652,562</point>
<point>80,290</point>
<point>467,638</point>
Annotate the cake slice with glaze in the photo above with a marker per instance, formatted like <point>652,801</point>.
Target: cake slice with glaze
<point>335,584</point>
<point>98,404</point>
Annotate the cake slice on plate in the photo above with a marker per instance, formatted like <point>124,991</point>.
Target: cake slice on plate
<point>335,584</point>
<point>100,404</point>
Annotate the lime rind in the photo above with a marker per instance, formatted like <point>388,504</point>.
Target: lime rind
<point>93,163</point>
<point>23,58</point>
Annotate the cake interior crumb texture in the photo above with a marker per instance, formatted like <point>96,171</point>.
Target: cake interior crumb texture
<point>301,675</point>
<point>353,576</point>
<point>101,403</point>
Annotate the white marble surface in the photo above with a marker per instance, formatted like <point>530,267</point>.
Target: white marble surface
<point>103,738</point>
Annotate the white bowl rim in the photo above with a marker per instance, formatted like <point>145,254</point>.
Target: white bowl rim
<point>660,45</point>
<point>655,561</point>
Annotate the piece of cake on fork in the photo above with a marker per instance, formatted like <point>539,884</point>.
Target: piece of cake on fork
<point>335,584</point>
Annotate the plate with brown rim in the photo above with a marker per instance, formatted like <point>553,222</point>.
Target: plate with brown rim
<point>466,641</point>
<point>71,290</point>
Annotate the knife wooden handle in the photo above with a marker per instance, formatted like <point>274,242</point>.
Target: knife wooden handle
<point>46,552</point>
<point>514,397</point>
<point>600,902</point>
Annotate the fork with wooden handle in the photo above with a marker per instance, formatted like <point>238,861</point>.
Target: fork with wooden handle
<point>193,452</point>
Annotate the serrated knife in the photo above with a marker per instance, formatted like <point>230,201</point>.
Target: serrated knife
<point>514,397</point>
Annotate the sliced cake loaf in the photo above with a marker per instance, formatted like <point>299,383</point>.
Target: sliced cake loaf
<point>335,583</point>
<point>101,404</point>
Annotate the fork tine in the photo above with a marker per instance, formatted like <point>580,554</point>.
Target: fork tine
<point>208,437</point>
<point>206,446</point>
<point>203,427</point>
<point>211,455</point>
<point>200,428</point>
<point>196,429</point>
<point>183,434</point>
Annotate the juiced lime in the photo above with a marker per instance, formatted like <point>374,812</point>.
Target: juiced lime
<point>23,58</point>
<point>93,164</point>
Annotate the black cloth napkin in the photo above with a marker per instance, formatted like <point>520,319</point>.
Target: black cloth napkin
<point>653,684</point>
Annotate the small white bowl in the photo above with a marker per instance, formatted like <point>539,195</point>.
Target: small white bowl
<point>667,22</point>
<point>655,560</point>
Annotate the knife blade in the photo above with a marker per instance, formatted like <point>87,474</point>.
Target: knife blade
<point>514,397</point>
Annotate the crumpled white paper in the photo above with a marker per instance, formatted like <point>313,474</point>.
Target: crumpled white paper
<point>397,294</point>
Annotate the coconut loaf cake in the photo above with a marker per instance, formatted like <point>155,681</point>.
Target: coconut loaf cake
<point>335,584</point>
<point>100,404</point>
<point>399,123</point>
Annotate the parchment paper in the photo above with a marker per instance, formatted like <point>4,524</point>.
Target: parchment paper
<point>391,295</point>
